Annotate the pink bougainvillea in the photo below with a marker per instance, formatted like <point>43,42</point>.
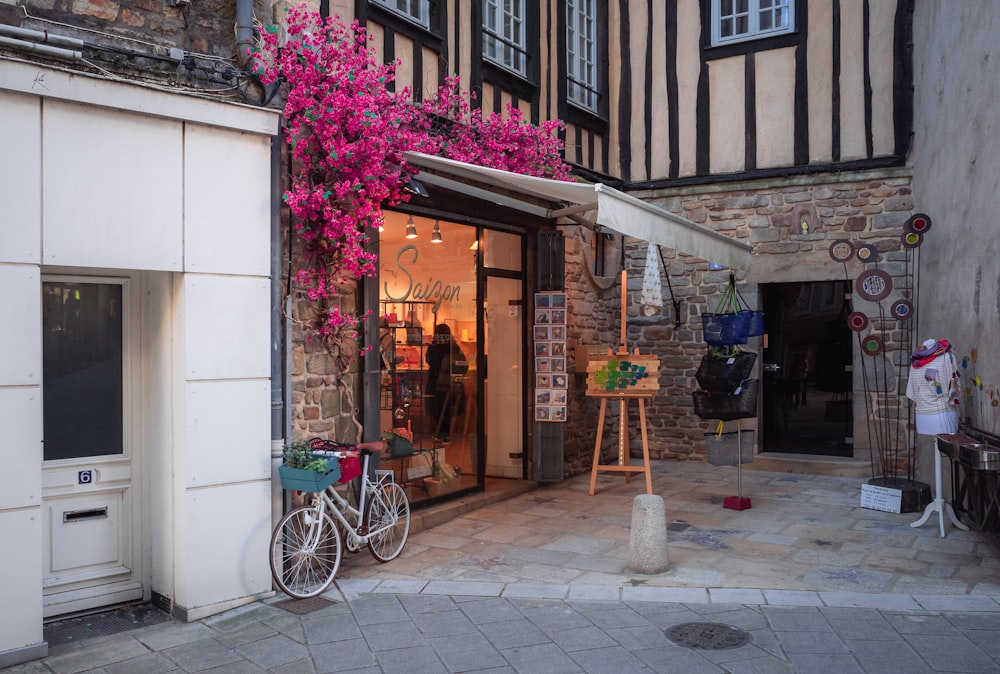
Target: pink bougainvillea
<point>348,129</point>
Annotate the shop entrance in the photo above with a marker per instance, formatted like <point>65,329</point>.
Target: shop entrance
<point>449,302</point>
<point>806,369</point>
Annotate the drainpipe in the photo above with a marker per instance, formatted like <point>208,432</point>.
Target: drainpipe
<point>244,30</point>
<point>279,335</point>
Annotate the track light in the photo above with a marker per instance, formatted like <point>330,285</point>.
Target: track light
<point>436,234</point>
<point>411,229</point>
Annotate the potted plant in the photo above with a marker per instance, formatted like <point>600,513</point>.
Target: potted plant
<point>305,471</point>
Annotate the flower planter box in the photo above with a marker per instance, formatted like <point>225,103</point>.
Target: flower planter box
<point>301,479</point>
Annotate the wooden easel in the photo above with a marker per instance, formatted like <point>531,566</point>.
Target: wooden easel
<point>640,392</point>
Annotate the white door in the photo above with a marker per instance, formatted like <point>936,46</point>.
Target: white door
<point>90,501</point>
<point>504,385</point>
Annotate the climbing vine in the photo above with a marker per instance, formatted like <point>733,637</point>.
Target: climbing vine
<point>347,127</point>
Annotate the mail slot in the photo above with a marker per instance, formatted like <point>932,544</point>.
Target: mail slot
<point>80,515</point>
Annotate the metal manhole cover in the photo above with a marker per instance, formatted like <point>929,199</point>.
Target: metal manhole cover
<point>303,606</point>
<point>707,636</point>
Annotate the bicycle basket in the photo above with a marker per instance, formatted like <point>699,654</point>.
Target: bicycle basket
<point>302,479</point>
<point>727,406</point>
<point>350,468</point>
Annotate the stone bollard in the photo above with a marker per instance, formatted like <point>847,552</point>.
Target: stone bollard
<point>648,541</point>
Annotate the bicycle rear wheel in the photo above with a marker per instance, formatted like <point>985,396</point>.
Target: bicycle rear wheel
<point>305,552</point>
<point>387,503</point>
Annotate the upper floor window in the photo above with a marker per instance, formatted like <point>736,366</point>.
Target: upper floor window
<point>581,56</point>
<point>504,36</point>
<point>417,11</point>
<point>742,20</point>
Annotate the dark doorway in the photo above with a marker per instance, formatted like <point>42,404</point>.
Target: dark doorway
<point>806,369</point>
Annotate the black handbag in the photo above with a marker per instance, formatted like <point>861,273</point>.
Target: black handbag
<point>723,373</point>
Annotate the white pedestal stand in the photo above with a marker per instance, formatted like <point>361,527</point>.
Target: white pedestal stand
<point>938,505</point>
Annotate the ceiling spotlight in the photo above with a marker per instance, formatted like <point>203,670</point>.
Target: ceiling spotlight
<point>436,234</point>
<point>411,229</point>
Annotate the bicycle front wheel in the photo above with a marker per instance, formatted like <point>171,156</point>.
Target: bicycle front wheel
<point>387,507</point>
<point>305,552</point>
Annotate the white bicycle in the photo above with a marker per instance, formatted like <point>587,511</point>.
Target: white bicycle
<point>307,544</point>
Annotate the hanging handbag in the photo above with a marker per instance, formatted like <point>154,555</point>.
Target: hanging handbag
<point>723,371</point>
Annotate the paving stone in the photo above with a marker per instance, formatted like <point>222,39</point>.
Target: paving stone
<point>273,651</point>
<point>541,659</point>
<point>513,633</point>
<point>886,656</point>
<point>445,624</point>
<point>468,589</point>
<point>204,654</point>
<point>336,628</point>
<point>169,635</point>
<point>683,595</point>
<point>796,621</point>
<point>471,652</point>
<point>812,663</point>
<point>408,660</point>
<point>920,623</point>
<point>536,590</point>
<point>489,610</point>
<point>635,638</point>
<point>342,656</point>
<point>950,653</point>
<point>811,642</point>
<point>551,618</point>
<point>151,663</point>
<point>735,596</point>
<point>611,660</point>
<point>673,658</point>
<point>581,638</point>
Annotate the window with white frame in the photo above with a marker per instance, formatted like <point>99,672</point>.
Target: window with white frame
<point>581,53</point>
<point>742,20</point>
<point>417,11</point>
<point>504,36</point>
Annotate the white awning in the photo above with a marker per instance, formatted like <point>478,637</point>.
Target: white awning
<point>615,210</point>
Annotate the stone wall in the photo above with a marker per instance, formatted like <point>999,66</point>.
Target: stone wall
<point>863,207</point>
<point>134,38</point>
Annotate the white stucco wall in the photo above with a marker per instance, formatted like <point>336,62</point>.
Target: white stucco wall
<point>173,192</point>
<point>956,179</point>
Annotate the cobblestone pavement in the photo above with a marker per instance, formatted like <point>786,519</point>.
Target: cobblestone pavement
<point>803,581</point>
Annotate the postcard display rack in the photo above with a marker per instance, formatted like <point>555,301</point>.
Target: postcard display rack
<point>549,334</point>
<point>623,376</point>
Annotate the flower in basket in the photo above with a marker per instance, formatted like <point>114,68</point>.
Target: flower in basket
<point>299,455</point>
<point>305,471</point>
<point>403,433</point>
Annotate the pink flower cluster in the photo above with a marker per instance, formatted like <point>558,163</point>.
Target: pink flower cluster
<point>348,129</point>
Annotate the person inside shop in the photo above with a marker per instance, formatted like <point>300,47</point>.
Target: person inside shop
<point>446,367</point>
<point>933,387</point>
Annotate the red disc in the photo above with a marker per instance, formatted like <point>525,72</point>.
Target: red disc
<point>841,250</point>
<point>872,345</point>
<point>912,239</point>
<point>857,321</point>
<point>918,223</point>
<point>873,285</point>
<point>867,253</point>
<point>902,309</point>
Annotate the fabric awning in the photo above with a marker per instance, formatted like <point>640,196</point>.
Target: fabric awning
<point>614,209</point>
